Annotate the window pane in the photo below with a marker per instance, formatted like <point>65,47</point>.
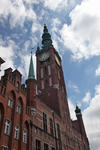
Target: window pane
<point>38,145</point>
<point>7,127</point>
<point>44,122</point>
<point>16,135</point>
<point>25,136</point>
<point>58,131</point>
<point>4,148</point>
<point>51,127</point>
<point>10,103</point>
<point>46,147</point>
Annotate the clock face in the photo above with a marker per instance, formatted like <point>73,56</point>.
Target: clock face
<point>44,56</point>
<point>57,60</point>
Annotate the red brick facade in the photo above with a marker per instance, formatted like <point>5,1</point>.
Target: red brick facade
<point>32,119</point>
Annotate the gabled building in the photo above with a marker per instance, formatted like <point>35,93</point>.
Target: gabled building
<point>36,116</point>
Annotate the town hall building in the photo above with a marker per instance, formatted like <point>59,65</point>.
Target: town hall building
<point>35,115</point>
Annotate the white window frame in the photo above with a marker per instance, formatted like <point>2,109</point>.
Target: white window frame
<point>18,109</point>
<point>16,133</point>
<point>25,136</point>
<point>3,147</point>
<point>7,127</point>
<point>10,103</point>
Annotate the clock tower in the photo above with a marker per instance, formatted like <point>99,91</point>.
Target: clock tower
<point>51,85</point>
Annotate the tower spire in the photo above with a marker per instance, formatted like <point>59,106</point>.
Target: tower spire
<point>46,38</point>
<point>31,74</point>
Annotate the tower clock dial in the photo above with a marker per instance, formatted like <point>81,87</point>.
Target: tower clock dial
<point>44,56</point>
<point>57,60</point>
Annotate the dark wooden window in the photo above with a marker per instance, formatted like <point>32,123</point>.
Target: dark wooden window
<point>51,127</point>
<point>38,145</point>
<point>46,146</point>
<point>58,131</point>
<point>52,148</point>
<point>44,122</point>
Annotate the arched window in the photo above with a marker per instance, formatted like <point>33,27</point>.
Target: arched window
<point>16,134</point>
<point>10,103</point>
<point>25,135</point>
<point>18,109</point>
<point>7,127</point>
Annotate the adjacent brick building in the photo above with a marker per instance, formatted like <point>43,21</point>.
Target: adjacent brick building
<point>35,116</point>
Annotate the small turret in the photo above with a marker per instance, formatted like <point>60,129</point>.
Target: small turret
<point>1,62</point>
<point>77,111</point>
<point>80,121</point>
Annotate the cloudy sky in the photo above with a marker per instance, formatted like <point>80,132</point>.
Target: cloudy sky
<point>75,29</point>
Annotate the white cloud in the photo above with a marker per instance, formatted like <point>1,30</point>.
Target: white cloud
<point>87,98</point>
<point>72,109</point>
<point>17,10</point>
<point>82,35</point>
<point>91,117</point>
<point>24,66</point>
<point>36,27</point>
<point>73,86</point>
<point>97,72</point>
<point>7,48</point>
<point>55,5</point>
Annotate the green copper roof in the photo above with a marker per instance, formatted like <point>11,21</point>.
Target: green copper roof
<point>46,38</point>
<point>31,69</point>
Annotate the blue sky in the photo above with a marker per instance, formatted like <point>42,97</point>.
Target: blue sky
<point>74,26</point>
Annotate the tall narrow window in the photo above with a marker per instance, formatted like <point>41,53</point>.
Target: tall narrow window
<point>58,75</point>
<point>42,84</point>
<point>41,72</point>
<point>16,134</point>
<point>44,122</point>
<point>7,127</point>
<point>10,103</point>
<point>49,70</point>
<point>38,145</point>
<point>18,109</point>
<point>25,136</point>
<point>46,146</point>
<point>50,82</point>
<point>51,127</point>
<point>58,131</point>
<point>17,86</point>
